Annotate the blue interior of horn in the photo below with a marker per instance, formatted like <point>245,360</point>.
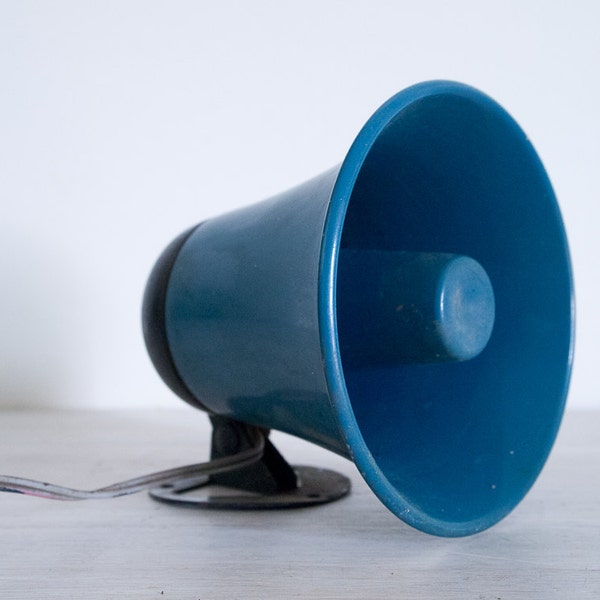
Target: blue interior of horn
<point>452,448</point>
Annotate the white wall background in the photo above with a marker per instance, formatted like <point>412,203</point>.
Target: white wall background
<point>122,123</point>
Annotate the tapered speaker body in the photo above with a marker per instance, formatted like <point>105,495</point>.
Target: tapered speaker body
<point>410,309</point>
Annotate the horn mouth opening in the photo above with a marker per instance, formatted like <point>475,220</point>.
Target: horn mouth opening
<point>450,447</point>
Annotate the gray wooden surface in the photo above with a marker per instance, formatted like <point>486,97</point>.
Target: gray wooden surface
<point>133,547</point>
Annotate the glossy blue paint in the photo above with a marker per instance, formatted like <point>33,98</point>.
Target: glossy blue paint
<point>261,326</point>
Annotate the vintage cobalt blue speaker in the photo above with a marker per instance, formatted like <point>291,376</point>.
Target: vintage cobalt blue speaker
<point>410,309</point>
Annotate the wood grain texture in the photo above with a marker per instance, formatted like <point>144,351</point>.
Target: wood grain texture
<point>133,547</point>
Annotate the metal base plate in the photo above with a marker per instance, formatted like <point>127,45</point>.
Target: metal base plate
<point>315,486</point>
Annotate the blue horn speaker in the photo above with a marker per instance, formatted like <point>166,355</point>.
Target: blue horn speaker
<point>411,310</point>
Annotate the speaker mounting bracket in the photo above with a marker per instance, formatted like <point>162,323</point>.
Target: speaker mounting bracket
<point>268,483</point>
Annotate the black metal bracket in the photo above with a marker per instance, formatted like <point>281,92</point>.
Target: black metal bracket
<point>270,482</point>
